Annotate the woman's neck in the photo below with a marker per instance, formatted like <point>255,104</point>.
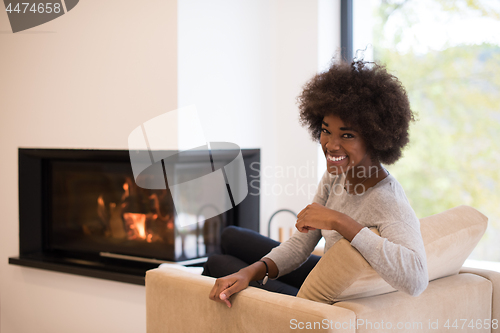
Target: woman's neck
<point>360,178</point>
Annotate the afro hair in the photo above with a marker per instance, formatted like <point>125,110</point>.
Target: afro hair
<point>366,97</point>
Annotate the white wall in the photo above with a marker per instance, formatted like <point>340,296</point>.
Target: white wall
<point>87,79</point>
<point>243,63</point>
<point>84,80</point>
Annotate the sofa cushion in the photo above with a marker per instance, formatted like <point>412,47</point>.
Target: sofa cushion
<point>342,273</point>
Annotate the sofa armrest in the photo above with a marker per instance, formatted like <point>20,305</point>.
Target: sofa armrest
<point>494,278</point>
<point>456,297</point>
<point>177,301</point>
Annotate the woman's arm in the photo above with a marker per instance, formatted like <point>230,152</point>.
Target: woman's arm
<point>398,255</point>
<point>281,260</point>
<point>316,216</point>
<point>228,285</point>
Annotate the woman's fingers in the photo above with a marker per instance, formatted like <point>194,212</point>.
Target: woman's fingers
<point>306,217</point>
<point>302,212</point>
<point>225,299</point>
<point>225,287</point>
<point>300,225</point>
<point>304,229</point>
<point>225,294</point>
<point>220,285</point>
<point>314,216</point>
<point>213,292</point>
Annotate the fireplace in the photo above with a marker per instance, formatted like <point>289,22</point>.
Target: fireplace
<point>81,212</point>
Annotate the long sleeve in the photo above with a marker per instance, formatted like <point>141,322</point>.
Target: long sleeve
<point>401,262</point>
<point>398,254</point>
<point>289,255</point>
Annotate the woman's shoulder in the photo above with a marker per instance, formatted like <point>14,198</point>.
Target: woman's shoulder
<point>387,190</point>
<point>389,199</point>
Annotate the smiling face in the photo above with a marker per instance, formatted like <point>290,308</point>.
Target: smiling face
<point>343,146</point>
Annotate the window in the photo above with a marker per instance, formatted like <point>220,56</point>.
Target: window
<point>447,55</point>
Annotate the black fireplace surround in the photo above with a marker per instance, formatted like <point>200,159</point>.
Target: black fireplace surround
<point>80,212</point>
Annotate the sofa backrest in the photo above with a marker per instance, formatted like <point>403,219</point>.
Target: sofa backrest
<point>450,237</point>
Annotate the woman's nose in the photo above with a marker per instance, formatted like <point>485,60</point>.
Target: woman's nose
<point>333,144</point>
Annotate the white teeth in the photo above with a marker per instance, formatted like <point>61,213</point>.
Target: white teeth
<point>336,159</point>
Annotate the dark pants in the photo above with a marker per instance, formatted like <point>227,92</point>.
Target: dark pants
<point>242,247</point>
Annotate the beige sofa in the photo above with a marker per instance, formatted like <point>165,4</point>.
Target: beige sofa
<point>457,299</point>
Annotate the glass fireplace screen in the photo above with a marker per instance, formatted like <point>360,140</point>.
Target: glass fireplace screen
<point>96,207</point>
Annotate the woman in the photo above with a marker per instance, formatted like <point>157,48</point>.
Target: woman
<point>360,113</point>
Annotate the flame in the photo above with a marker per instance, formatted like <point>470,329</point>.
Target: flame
<point>137,225</point>
<point>121,224</point>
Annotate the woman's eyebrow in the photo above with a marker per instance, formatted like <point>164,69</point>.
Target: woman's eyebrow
<point>348,129</point>
<point>324,123</point>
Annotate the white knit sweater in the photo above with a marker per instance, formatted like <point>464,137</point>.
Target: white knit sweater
<point>398,254</point>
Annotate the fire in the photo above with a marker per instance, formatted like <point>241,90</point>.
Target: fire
<point>136,225</point>
<point>122,220</point>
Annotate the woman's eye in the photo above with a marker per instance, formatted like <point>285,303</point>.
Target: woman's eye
<point>324,130</point>
<point>348,136</point>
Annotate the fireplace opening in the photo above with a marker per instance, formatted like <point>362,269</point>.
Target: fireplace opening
<point>82,212</point>
<point>97,207</point>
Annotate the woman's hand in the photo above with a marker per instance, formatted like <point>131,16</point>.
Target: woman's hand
<point>316,216</point>
<point>228,285</point>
